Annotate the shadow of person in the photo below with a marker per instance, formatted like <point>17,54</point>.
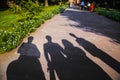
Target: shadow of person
<point>80,66</point>
<point>93,50</point>
<point>54,55</point>
<point>27,66</point>
<point>29,49</point>
<point>72,53</point>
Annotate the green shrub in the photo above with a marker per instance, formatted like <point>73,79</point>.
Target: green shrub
<point>8,40</point>
<point>23,26</point>
<point>25,6</point>
<point>112,14</point>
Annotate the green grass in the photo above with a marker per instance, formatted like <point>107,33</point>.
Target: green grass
<point>14,27</point>
<point>6,18</point>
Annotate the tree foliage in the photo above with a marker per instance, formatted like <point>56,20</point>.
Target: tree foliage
<point>18,6</point>
<point>101,3</point>
<point>108,3</point>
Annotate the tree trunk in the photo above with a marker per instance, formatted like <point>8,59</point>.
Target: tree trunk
<point>114,1</point>
<point>46,2</point>
<point>107,5</point>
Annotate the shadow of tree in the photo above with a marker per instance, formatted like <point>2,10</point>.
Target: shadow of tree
<point>94,23</point>
<point>27,66</point>
<point>96,52</point>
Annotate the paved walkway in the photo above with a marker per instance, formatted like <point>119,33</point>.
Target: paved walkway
<point>77,45</point>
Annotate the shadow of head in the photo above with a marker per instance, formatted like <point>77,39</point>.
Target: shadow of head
<point>30,39</point>
<point>49,38</point>
<point>71,34</point>
<point>66,43</point>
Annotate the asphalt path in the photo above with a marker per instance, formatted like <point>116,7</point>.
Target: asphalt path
<point>73,45</point>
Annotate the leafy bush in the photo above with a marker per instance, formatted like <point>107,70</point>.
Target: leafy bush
<point>8,40</point>
<point>25,6</point>
<point>24,26</point>
<point>112,14</point>
<point>14,7</point>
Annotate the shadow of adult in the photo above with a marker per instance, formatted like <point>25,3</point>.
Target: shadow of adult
<point>93,50</point>
<point>80,66</point>
<point>54,55</point>
<point>27,66</point>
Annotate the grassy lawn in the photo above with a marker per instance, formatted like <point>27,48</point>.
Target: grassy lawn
<point>6,18</point>
<point>14,27</point>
